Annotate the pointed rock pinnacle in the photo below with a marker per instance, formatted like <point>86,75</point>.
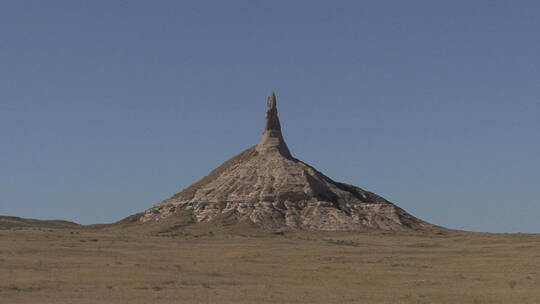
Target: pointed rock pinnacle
<point>272,139</point>
<point>272,119</point>
<point>266,186</point>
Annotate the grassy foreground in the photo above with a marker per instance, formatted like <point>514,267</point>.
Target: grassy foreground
<point>125,266</point>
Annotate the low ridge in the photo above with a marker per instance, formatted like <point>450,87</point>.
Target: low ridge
<point>13,222</point>
<point>265,185</point>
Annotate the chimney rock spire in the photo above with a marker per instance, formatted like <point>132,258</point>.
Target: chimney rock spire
<point>272,139</point>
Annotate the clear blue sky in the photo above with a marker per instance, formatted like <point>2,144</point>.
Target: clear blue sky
<point>107,107</point>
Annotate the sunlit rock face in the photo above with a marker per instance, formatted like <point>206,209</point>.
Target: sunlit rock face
<point>267,186</point>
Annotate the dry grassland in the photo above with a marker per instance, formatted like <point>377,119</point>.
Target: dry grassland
<point>126,266</point>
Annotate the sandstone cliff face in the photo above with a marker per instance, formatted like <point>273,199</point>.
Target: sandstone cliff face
<point>265,185</point>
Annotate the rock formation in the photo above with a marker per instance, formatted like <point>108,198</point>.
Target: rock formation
<point>267,186</point>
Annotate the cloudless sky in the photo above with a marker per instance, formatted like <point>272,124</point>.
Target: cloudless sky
<point>108,107</point>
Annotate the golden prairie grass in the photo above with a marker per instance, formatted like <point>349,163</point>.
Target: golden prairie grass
<point>124,266</point>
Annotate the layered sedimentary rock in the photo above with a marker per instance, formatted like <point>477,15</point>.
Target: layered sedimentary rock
<point>267,186</point>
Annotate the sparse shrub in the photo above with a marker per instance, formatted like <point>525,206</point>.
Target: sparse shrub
<point>344,243</point>
<point>279,232</point>
<point>425,245</point>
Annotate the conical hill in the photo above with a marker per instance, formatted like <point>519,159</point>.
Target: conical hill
<point>266,186</point>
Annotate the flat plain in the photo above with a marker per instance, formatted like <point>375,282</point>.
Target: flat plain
<point>89,265</point>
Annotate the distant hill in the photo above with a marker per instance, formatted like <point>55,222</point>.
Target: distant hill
<point>13,221</point>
